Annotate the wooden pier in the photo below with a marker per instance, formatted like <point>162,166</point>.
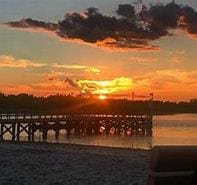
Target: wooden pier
<point>74,124</point>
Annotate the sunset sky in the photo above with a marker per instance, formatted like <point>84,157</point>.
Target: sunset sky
<point>39,62</point>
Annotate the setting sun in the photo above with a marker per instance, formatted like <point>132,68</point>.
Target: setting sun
<point>102,97</point>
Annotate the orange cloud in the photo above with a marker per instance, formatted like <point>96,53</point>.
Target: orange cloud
<point>175,84</point>
<point>167,80</point>
<point>166,84</point>
<point>111,45</point>
<point>89,69</point>
<point>11,62</point>
<point>143,60</point>
<point>116,85</point>
<point>39,89</point>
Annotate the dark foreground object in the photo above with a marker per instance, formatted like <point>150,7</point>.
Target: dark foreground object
<point>174,165</point>
<point>63,164</point>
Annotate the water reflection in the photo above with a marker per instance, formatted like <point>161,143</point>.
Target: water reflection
<point>111,141</point>
<point>178,129</point>
<point>167,130</point>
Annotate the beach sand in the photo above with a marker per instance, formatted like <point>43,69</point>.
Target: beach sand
<point>59,164</point>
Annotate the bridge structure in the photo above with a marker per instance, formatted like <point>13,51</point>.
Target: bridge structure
<point>16,125</point>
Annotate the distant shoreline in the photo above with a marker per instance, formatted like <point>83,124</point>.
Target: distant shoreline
<point>67,104</point>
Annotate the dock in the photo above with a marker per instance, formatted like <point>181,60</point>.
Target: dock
<point>74,124</point>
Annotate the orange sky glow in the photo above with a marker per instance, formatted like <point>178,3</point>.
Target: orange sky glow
<point>42,63</point>
<point>170,84</point>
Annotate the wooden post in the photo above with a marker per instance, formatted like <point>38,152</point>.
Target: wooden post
<point>57,134</point>
<point>107,128</point>
<point>13,131</point>
<point>76,127</point>
<point>149,127</point>
<point>68,132</point>
<point>32,132</point>
<point>131,127</point>
<point>18,132</point>
<point>97,128</point>
<point>29,132</point>
<point>44,130</point>
<point>1,134</point>
<point>89,129</point>
<point>150,117</point>
<point>125,127</point>
<point>44,135</point>
<point>119,127</point>
<point>143,128</point>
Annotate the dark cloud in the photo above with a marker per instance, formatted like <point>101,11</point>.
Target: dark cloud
<point>83,89</point>
<point>189,17</point>
<point>30,23</point>
<point>72,83</point>
<point>131,29</point>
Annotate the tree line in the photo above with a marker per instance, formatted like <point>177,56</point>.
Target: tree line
<point>24,103</point>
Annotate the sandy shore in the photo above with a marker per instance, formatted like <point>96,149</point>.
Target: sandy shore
<point>63,164</point>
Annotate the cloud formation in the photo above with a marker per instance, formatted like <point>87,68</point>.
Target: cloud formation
<point>117,85</point>
<point>39,88</point>
<point>166,84</point>
<point>11,62</point>
<point>130,30</point>
<point>143,60</point>
<point>167,80</point>
<point>89,69</point>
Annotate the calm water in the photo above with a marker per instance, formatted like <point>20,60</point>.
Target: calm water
<point>179,129</point>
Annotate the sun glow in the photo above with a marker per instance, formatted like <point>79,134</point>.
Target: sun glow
<point>102,97</point>
<point>116,85</point>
